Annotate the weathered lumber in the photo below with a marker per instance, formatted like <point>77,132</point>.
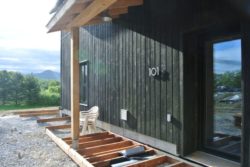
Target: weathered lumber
<point>75,81</point>
<point>39,114</point>
<point>107,161</point>
<point>180,164</point>
<point>91,11</point>
<point>58,127</point>
<point>88,135</point>
<point>154,162</point>
<point>53,119</point>
<point>87,139</point>
<point>91,150</point>
<point>71,152</point>
<point>33,111</point>
<point>110,151</point>
<point>99,142</point>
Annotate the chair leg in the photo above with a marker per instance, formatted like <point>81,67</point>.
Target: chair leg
<point>84,127</point>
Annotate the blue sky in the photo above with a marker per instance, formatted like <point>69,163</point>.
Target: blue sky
<point>25,45</point>
<point>227,56</point>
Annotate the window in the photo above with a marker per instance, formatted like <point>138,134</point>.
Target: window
<point>84,83</point>
<point>224,99</point>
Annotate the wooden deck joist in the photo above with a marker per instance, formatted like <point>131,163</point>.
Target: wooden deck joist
<point>103,149</point>
<point>53,119</point>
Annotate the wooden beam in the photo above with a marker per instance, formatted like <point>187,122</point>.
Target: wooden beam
<point>91,150</point>
<point>53,119</point>
<point>99,142</point>
<point>88,135</point>
<point>39,114</point>
<point>126,3</point>
<point>71,152</point>
<point>154,162</point>
<point>94,9</point>
<point>180,164</point>
<point>58,127</point>
<point>87,139</point>
<point>75,88</point>
<point>106,161</point>
<point>110,151</point>
<point>117,11</point>
<point>64,11</point>
<point>31,112</point>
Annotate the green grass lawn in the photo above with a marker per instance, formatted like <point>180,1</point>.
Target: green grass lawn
<point>19,107</point>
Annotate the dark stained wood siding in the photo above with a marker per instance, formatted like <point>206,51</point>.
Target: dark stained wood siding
<point>65,70</point>
<point>119,59</point>
<point>120,53</point>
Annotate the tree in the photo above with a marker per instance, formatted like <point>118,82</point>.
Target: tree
<point>17,85</point>
<point>229,79</point>
<point>32,89</point>
<point>4,86</point>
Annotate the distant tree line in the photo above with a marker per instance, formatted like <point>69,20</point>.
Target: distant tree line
<point>230,80</point>
<point>16,88</point>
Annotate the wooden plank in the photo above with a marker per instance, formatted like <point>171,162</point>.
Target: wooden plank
<point>126,3</point>
<point>99,142</point>
<point>69,151</point>
<point>89,151</point>
<point>95,8</point>
<point>87,139</point>
<point>36,112</point>
<point>75,96</point>
<point>110,151</point>
<point>154,162</point>
<point>106,162</point>
<point>53,119</point>
<point>56,127</point>
<point>180,164</point>
<point>117,11</point>
<point>103,157</point>
<point>88,135</point>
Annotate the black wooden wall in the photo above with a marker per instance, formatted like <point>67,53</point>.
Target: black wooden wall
<point>65,70</point>
<point>120,53</point>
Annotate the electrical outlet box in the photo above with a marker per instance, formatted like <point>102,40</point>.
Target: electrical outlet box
<point>124,114</point>
<point>169,118</point>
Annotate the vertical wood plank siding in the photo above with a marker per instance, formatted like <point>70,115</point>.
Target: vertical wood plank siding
<point>65,70</point>
<point>120,54</point>
<point>119,59</point>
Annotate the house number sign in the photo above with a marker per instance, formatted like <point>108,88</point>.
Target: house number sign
<point>154,71</point>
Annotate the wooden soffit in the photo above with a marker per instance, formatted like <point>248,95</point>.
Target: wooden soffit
<point>76,13</point>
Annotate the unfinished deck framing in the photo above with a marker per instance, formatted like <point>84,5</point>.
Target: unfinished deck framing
<point>103,149</point>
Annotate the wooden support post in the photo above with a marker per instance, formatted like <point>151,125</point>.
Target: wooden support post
<point>75,96</point>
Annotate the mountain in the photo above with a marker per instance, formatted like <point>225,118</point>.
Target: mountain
<point>48,74</point>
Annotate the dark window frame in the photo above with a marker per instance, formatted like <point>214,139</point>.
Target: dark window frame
<point>84,64</point>
<point>208,79</point>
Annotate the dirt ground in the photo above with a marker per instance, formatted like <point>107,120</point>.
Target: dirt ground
<point>23,143</point>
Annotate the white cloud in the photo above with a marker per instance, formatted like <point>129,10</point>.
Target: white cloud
<point>23,25</point>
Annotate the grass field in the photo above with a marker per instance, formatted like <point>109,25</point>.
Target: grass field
<point>19,107</point>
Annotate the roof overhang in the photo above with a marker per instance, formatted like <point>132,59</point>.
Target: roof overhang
<point>76,13</point>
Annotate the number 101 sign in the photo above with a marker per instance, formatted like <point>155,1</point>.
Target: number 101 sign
<point>155,71</point>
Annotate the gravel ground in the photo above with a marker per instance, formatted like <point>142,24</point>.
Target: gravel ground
<point>24,143</point>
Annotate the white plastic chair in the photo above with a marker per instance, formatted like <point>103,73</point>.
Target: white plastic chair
<point>88,119</point>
